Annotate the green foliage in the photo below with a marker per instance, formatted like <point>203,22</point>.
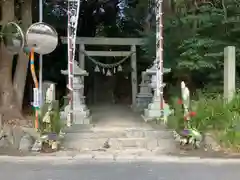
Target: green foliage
<point>55,124</point>
<point>195,36</point>
<point>175,121</point>
<point>149,46</point>
<point>212,115</point>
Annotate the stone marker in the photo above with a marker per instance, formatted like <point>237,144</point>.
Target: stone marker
<point>229,72</point>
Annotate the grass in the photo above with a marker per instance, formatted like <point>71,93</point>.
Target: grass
<point>212,115</point>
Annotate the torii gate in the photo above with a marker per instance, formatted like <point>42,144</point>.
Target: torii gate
<point>73,14</point>
<point>132,42</point>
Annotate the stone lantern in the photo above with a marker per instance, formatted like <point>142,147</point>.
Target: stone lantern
<point>153,110</point>
<point>144,97</point>
<point>81,114</point>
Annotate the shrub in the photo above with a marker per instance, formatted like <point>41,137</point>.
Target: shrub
<point>175,121</point>
<point>212,115</point>
<point>55,124</point>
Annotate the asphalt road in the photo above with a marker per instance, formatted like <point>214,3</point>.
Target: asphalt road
<point>85,170</point>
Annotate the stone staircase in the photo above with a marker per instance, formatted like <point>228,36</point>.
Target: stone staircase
<point>89,138</point>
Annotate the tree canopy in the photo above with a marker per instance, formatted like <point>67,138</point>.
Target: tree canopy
<point>195,35</point>
<point>92,14</point>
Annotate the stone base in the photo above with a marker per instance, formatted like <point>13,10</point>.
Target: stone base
<point>152,113</point>
<point>80,118</point>
<point>82,112</point>
<point>154,105</point>
<point>79,107</point>
<point>142,102</point>
<point>86,120</point>
<point>146,119</point>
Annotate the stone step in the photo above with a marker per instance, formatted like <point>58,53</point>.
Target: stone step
<point>116,154</point>
<point>78,128</point>
<point>128,151</point>
<point>77,143</point>
<point>122,134</point>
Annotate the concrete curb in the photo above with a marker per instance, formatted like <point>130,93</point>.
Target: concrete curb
<point>81,158</point>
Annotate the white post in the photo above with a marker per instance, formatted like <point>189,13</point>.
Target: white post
<point>40,56</point>
<point>229,72</point>
<point>134,75</point>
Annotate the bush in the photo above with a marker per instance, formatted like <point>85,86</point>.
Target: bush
<point>55,124</point>
<point>175,121</point>
<point>212,115</point>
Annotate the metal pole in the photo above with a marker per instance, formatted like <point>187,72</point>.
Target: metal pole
<point>40,56</point>
<point>159,52</point>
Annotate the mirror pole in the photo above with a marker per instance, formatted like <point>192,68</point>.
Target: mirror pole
<point>40,57</point>
<point>40,79</point>
<point>35,89</point>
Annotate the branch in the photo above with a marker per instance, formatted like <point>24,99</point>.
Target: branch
<point>224,9</point>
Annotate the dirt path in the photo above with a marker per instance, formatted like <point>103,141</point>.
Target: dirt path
<point>116,116</point>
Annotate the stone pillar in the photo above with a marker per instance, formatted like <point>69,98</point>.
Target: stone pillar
<point>144,97</point>
<point>81,56</point>
<point>134,75</point>
<point>229,72</point>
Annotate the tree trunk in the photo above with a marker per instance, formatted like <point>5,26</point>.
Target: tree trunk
<point>6,58</point>
<point>8,105</point>
<point>22,63</point>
